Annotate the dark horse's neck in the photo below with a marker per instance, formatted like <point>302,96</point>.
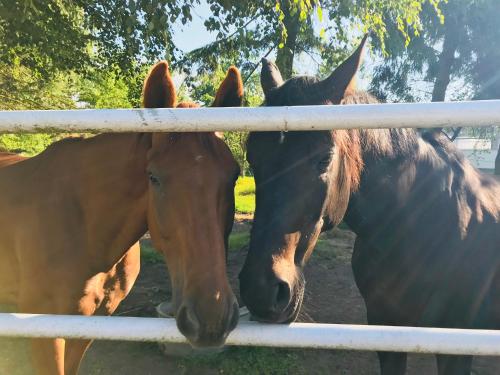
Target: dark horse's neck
<point>407,177</point>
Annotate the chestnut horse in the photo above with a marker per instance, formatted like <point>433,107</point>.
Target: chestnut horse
<point>8,158</point>
<point>71,218</point>
<point>427,251</point>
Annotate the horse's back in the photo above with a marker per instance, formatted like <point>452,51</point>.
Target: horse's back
<point>431,254</point>
<point>9,269</point>
<point>8,158</point>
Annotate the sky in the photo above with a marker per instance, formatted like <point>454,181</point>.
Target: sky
<point>194,35</point>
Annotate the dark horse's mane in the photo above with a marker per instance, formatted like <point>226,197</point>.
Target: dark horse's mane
<point>406,144</point>
<point>355,143</point>
<point>389,142</point>
<point>396,143</point>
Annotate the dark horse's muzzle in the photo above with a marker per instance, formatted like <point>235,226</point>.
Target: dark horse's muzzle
<point>270,297</point>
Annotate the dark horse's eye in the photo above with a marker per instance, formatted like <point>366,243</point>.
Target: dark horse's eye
<point>324,163</point>
<point>154,180</point>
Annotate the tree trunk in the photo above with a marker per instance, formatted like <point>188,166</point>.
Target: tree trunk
<point>446,59</point>
<point>497,162</point>
<point>284,57</point>
<point>445,63</point>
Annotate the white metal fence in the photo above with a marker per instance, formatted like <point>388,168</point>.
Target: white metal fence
<point>327,336</point>
<point>419,115</point>
<point>296,335</point>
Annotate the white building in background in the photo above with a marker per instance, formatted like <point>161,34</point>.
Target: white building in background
<point>481,152</point>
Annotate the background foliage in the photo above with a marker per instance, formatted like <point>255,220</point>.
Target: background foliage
<point>95,54</point>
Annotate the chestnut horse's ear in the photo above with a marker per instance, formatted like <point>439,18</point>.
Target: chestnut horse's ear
<point>159,89</point>
<point>343,79</point>
<point>270,76</point>
<point>230,92</point>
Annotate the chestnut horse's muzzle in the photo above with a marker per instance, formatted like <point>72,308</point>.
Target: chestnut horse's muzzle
<point>207,328</point>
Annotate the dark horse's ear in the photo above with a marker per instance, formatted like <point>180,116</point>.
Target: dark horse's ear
<point>270,76</point>
<point>230,92</point>
<point>159,89</point>
<point>343,79</point>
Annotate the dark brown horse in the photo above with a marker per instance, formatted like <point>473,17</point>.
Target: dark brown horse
<point>71,218</point>
<point>427,251</point>
<point>497,163</point>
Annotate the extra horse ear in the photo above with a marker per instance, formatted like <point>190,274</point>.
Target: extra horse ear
<point>230,92</point>
<point>159,89</point>
<point>270,76</point>
<point>342,81</point>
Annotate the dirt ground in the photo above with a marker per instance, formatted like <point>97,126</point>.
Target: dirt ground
<point>331,297</point>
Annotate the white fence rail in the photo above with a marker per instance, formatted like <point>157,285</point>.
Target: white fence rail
<point>296,335</point>
<point>419,115</point>
<point>326,336</point>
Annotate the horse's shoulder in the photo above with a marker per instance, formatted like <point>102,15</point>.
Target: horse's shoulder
<point>8,158</point>
<point>64,143</point>
<point>477,192</point>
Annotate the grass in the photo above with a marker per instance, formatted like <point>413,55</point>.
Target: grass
<point>245,195</point>
<point>245,361</point>
<point>238,240</point>
<point>149,254</point>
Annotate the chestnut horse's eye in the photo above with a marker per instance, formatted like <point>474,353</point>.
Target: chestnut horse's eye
<point>154,180</point>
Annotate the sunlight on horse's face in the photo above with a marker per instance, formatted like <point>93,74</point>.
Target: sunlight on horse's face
<point>291,190</point>
<point>191,212</point>
<point>300,178</point>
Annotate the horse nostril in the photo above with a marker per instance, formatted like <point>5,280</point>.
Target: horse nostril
<point>235,316</point>
<point>282,295</point>
<point>188,323</point>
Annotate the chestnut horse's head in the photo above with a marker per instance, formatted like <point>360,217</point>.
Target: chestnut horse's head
<point>191,211</point>
<point>303,179</point>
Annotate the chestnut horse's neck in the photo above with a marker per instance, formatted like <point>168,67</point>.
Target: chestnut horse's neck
<point>8,158</point>
<point>113,190</point>
<point>96,187</point>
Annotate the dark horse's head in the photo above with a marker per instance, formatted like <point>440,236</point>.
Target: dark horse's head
<point>303,182</point>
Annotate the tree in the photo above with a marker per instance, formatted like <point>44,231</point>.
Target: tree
<point>20,88</point>
<point>247,29</point>
<point>60,35</point>
<point>102,42</point>
<point>460,50</point>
